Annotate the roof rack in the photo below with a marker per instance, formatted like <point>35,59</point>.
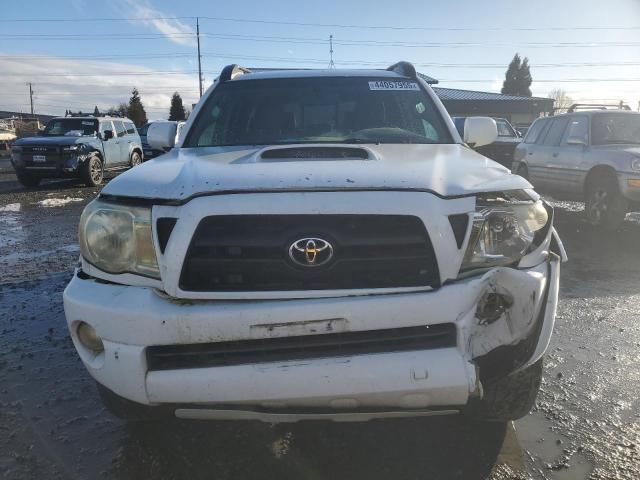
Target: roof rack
<point>593,106</point>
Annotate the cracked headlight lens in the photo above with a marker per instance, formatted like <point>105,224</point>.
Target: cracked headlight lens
<point>503,231</point>
<point>117,239</point>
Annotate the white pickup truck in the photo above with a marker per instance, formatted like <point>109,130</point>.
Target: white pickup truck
<point>319,245</point>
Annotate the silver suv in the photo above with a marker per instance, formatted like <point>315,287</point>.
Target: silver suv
<point>592,155</point>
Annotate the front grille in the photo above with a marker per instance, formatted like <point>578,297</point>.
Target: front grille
<point>41,150</point>
<point>243,352</point>
<point>52,156</point>
<point>251,253</point>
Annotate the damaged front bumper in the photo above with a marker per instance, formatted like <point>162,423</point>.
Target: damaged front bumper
<point>359,386</point>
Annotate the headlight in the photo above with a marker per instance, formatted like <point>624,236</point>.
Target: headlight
<point>635,164</point>
<point>71,148</point>
<point>16,148</point>
<point>117,239</point>
<point>504,230</point>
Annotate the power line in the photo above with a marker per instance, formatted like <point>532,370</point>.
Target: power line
<point>319,41</point>
<point>302,60</point>
<point>107,74</point>
<point>322,25</point>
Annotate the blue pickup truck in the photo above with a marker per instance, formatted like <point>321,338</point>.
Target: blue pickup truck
<point>82,147</point>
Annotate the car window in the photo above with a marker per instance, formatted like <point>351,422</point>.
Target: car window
<point>615,128</point>
<point>558,126</point>
<point>504,129</point>
<point>104,126</point>
<point>131,128</point>
<point>578,128</point>
<point>120,130</point>
<point>316,110</point>
<point>535,130</point>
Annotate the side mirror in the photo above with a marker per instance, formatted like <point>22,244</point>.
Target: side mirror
<point>107,135</point>
<point>576,141</point>
<point>162,135</point>
<point>479,131</point>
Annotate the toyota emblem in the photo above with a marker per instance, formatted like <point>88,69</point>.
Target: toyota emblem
<point>310,252</point>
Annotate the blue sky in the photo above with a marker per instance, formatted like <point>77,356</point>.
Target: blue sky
<point>465,44</point>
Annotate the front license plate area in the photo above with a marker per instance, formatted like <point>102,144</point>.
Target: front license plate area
<point>39,158</point>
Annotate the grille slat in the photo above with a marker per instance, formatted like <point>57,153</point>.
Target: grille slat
<point>243,352</point>
<point>250,253</point>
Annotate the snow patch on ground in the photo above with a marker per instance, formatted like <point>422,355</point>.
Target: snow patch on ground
<point>58,202</point>
<point>12,207</point>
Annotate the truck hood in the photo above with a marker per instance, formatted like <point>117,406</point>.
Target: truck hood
<point>57,141</point>
<point>447,170</point>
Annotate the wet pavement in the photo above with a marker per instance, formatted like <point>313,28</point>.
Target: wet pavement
<point>586,424</point>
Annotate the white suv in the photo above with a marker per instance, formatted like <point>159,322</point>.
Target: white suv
<point>319,245</point>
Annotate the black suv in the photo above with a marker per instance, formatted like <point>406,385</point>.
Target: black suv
<point>81,147</point>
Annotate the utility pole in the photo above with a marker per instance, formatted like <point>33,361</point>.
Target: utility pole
<point>331,64</point>
<point>199,56</point>
<point>31,98</point>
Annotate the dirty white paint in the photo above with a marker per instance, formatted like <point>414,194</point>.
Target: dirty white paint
<point>58,202</point>
<point>417,180</point>
<point>12,207</point>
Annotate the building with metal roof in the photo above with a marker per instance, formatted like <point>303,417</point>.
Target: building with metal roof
<point>516,109</point>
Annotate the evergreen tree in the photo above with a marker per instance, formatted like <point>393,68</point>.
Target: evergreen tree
<point>517,78</point>
<point>524,78</point>
<point>96,112</point>
<point>136,110</point>
<point>177,112</point>
<point>510,84</point>
<point>122,110</point>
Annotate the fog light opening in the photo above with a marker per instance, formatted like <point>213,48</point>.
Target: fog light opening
<point>492,306</point>
<point>89,338</point>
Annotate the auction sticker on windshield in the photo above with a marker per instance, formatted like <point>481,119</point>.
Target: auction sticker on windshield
<point>392,85</point>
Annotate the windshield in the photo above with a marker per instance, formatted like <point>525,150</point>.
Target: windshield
<point>318,110</point>
<point>71,126</point>
<point>612,128</point>
<point>504,129</point>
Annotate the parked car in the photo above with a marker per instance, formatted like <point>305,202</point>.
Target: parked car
<point>502,149</point>
<point>149,152</point>
<point>6,137</point>
<point>589,155</point>
<point>321,245</point>
<point>83,147</point>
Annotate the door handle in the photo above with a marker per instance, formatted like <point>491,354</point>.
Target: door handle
<point>555,155</point>
<point>530,153</point>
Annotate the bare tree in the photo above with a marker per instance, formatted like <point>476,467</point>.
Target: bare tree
<point>561,101</point>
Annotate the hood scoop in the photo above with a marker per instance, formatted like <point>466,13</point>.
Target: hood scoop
<point>315,153</point>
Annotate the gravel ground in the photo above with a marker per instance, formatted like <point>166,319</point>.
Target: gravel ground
<point>52,425</point>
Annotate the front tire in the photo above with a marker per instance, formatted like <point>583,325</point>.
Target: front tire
<point>604,204</point>
<point>92,171</point>
<point>28,180</point>
<point>510,397</point>
<point>136,159</point>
